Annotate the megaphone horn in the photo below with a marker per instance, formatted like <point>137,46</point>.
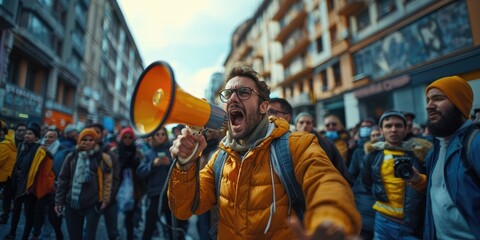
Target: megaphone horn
<point>157,100</point>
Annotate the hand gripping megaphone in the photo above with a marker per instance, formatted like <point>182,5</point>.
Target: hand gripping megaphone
<point>157,100</point>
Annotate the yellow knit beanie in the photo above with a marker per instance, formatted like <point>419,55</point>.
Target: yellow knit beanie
<point>458,92</point>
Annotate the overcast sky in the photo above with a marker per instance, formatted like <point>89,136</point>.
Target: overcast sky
<point>193,36</point>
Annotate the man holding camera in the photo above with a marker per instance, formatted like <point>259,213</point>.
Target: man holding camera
<point>399,208</point>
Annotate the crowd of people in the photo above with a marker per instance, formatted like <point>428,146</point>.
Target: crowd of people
<point>386,178</point>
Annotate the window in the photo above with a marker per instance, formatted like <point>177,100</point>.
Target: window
<point>323,76</point>
<point>385,7</point>
<point>337,74</point>
<point>77,39</point>
<point>331,5</point>
<point>47,3</point>
<point>38,28</point>
<point>75,62</point>
<point>12,69</point>
<point>333,34</point>
<point>80,13</point>
<point>363,19</point>
<point>319,43</point>
<point>30,79</point>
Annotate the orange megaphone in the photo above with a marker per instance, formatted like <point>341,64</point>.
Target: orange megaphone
<point>157,100</point>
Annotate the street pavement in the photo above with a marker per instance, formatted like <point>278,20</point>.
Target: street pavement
<point>101,231</point>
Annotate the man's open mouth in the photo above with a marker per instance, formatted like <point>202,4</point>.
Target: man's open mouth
<point>236,117</point>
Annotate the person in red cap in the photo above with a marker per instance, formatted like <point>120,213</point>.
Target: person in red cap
<point>84,186</point>
<point>128,157</point>
<point>453,191</point>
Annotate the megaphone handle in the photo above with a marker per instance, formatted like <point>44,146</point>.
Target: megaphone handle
<point>193,130</point>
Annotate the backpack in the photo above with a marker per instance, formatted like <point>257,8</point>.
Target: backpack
<point>282,166</point>
<point>467,140</point>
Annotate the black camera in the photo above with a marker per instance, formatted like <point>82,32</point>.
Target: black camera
<point>403,167</point>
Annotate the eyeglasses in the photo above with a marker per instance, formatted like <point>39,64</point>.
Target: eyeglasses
<point>243,93</point>
<point>276,112</point>
<point>331,124</point>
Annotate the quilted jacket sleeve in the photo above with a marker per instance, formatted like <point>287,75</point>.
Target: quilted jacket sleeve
<point>328,195</point>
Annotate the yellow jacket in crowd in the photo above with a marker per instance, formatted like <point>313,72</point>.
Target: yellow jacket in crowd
<point>8,156</point>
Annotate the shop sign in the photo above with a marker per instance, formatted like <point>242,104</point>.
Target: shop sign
<point>381,87</point>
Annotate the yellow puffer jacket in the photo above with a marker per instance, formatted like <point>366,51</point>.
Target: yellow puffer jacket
<point>246,190</point>
<point>8,156</point>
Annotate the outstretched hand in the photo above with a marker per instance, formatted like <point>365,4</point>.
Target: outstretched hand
<point>326,230</point>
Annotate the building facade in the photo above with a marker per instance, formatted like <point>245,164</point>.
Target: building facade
<point>358,58</point>
<point>112,67</point>
<point>52,56</point>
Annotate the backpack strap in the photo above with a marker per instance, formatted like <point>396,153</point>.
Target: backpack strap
<point>283,167</point>
<point>467,140</point>
<point>218,169</point>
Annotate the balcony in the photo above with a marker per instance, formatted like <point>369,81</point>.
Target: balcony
<point>244,50</point>
<point>283,7</point>
<point>300,46</point>
<point>351,6</point>
<point>302,99</point>
<point>295,73</point>
<point>288,27</point>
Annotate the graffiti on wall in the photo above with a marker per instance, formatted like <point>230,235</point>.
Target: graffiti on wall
<point>432,36</point>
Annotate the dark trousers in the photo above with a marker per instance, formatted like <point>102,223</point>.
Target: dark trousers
<point>132,218</point>
<point>45,207</point>
<point>40,214</point>
<point>110,214</point>
<point>203,225</point>
<point>28,201</point>
<point>152,218</point>
<point>7,196</point>
<point>55,221</point>
<point>75,219</point>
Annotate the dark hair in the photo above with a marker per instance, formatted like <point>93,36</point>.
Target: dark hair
<point>247,71</point>
<point>284,104</point>
<point>96,125</point>
<point>20,125</point>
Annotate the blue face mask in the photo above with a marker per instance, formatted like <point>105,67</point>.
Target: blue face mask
<point>364,132</point>
<point>332,135</point>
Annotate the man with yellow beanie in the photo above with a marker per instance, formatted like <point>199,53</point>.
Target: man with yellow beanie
<point>453,192</point>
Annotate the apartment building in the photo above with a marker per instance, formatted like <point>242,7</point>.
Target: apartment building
<point>112,67</point>
<point>42,61</point>
<point>358,58</point>
<point>66,61</point>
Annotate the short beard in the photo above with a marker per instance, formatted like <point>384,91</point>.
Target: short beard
<point>450,122</point>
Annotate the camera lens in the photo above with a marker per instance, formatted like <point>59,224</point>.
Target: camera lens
<point>406,172</point>
<point>403,168</point>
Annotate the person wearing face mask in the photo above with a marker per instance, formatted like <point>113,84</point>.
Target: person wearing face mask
<point>304,122</point>
<point>363,199</point>
<point>335,132</point>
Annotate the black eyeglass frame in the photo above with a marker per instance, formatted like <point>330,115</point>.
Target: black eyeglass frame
<point>238,91</point>
<point>275,112</point>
